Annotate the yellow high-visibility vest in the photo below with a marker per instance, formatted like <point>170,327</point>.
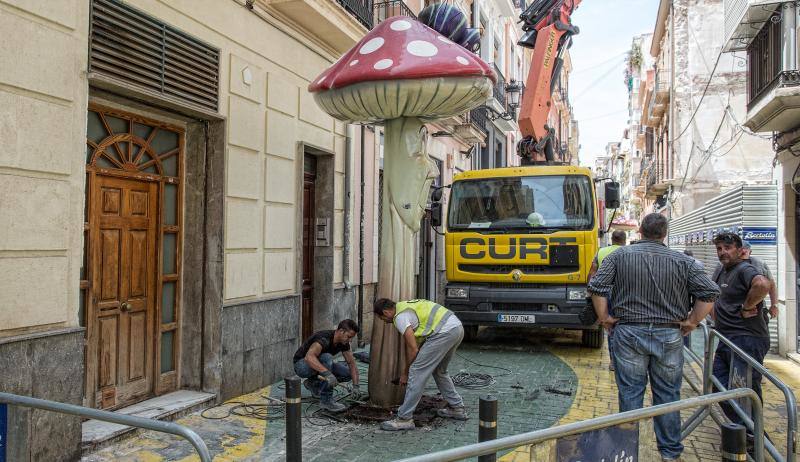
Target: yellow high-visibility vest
<point>431,315</point>
<point>604,252</point>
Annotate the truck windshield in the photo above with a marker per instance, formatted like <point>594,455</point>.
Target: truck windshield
<point>531,203</point>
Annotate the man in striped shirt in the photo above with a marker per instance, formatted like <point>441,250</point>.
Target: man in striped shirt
<point>649,286</point>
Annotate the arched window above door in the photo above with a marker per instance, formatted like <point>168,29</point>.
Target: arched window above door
<point>116,143</point>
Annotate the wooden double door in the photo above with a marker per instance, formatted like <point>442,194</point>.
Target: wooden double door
<point>124,255</point>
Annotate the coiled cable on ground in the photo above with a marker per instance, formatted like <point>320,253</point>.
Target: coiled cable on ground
<point>477,380</point>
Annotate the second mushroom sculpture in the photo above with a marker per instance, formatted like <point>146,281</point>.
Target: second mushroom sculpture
<point>403,74</point>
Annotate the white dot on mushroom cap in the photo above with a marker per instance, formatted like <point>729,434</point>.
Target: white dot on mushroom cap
<point>422,48</point>
<point>354,62</point>
<point>383,64</point>
<point>400,25</point>
<point>462,60</point>
<point>371,46</point>
<point>444,39</point>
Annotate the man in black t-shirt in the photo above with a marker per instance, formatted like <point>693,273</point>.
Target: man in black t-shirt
<point>313,361</point>
<point>739,315</point>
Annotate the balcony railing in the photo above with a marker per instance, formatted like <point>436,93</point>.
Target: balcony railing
<point>479,118</point>
<point>499,91</point>
<point>784,79</point>
<point>387,9</point>
<point>361,10</point>
<point>661,86</point>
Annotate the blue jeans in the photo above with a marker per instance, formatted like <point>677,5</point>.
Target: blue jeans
<point>340,370</point>
<point>655,352</point>
<point>725,360</point>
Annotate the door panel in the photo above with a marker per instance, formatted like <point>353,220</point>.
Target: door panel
<point>107,375</point>
<point>125,257</point>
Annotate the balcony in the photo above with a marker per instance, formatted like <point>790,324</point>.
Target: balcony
<point>657,185</point>
<point>340,24</point>
<point>662,86</point>
<point>387,9</point>
<point>743,20</point>
<point>498,99</point>
<point>773,79</point>
<point>479,119</point>
<point>658,98</point>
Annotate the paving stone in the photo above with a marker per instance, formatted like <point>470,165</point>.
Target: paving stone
<point>532,366</point>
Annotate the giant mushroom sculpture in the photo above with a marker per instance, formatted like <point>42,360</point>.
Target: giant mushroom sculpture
<point>402,74</point>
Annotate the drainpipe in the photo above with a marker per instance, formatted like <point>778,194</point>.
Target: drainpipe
<point>789,22</point>
<point>361,246</point>
<point>672,103</point>
<point>348,194</point>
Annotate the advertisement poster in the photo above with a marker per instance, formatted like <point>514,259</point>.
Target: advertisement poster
<point>612,444</point>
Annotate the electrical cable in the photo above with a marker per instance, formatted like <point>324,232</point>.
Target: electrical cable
<point>702,97</point>
<point>477,380</point>
<point>594,83</point>
<point>272,410</point>
<point>614,58</point>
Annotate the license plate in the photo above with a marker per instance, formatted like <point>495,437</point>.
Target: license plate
<point>520,318</point>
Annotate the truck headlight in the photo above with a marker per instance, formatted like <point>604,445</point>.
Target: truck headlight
<point>458,292</point>
<point>576,294</point>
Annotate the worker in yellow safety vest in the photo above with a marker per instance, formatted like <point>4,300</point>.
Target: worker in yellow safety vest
<point>431,334</point>
<point>618,239</point>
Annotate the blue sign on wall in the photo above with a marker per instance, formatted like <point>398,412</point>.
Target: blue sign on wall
<point>611,444</point>
<point>760,236</point>
<point>3,431</point>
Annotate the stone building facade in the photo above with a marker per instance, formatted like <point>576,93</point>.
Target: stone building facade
<point>178,212</point>
<point>695,102</point>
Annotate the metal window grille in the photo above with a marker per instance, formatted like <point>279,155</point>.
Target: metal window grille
<point>134,47</point>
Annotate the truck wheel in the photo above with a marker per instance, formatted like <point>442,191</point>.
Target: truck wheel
<point>470,333</point>
<point>592,338</point>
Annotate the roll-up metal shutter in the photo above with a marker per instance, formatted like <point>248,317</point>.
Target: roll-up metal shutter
<point>739,209</point>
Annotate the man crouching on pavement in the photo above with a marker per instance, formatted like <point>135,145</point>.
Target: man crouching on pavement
<point>313,361</point>
<point>439,332</point>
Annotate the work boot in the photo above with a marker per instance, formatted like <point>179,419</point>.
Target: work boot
<point>450,412</point>
<point>311,386</point>
<point>332,406</point>
<point>397,424</point>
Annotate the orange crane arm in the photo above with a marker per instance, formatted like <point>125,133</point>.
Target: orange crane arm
<point>548,30</point>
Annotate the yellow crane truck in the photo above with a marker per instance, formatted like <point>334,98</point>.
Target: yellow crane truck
<point>519,243</point>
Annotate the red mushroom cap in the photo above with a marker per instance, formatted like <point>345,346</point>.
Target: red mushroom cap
<point>401,48</point>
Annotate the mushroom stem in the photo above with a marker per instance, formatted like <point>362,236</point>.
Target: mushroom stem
<point>408,174</point>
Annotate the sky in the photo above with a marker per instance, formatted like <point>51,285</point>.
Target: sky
<point>596,89</point>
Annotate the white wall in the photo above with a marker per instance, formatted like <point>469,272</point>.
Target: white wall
<point>43,100</point>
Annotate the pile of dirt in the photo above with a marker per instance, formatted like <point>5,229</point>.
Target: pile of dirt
<point>425,414</point>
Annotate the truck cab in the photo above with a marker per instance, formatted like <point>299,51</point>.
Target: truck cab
<point>519,245</point>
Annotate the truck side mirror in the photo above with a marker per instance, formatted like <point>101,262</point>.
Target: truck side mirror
<point>436,195</point>
<point>612,195</point>
<point>436,214</point>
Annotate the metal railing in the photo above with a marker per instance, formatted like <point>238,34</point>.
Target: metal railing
<point>361,10</point>
<point>539,436</point>
<point>709,383</point>
<point>499,90</point>
<point>106,416</point>
<point>479,118</point>
<point>784,79</point>
<point>390,8</point>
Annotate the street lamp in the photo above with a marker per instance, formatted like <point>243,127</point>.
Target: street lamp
<point>512,90</point>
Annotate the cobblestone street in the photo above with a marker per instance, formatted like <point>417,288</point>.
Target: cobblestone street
<point>552,381</point>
